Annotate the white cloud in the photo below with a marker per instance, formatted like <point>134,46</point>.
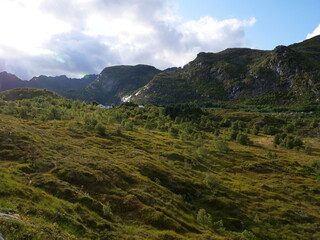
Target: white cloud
<point>25,27</point>
<point>315,32</point>
<point>83,36</point>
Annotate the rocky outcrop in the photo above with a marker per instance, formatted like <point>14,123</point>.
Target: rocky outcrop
<point>1,237</point>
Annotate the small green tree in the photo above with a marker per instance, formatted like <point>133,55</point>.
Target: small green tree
<point>277,139</point>
<point>204,218</point>
<point>243,139</point>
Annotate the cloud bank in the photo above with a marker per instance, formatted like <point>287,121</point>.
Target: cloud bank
<point>315,32</point>
<point>76,37</point>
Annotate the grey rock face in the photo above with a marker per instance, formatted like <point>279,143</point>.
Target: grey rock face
<point>1,237</point>
<point>4,215</point>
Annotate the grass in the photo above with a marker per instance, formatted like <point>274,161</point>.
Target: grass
<point>64,180</point>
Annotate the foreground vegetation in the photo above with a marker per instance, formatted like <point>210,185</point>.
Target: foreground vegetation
<point>71,170</point>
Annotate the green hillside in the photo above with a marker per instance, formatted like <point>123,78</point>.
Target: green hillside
<point>70,170</point>
<point>281,76</point>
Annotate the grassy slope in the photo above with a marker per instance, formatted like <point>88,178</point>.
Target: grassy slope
<point>59,175</point>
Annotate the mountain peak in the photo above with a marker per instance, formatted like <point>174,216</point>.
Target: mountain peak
<point>281,49</point>
<point>6,74</point>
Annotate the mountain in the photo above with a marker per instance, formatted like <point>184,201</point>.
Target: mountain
<point>60,83</point>
<point>287,74</point>
<point>277,76</point>
<point>57,84</point>
<point>114,83</point>
<point>70,170</point>
<point>9,81</point>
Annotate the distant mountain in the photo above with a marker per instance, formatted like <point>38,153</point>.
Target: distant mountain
<point>170,69</point>
<point>57,84</point>
<point>114,84</point>
<point>283,74</point>
<point>9,81</point>
<point>60,83</point>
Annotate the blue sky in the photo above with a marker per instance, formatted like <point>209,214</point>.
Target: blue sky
<point>78,37</point>
<point>278,22</point>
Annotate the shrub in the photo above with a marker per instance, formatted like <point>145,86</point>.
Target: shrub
<point>219,226</point>
<point>100,129</point>
<point>204,218</point>
<point>314,124</point>
<point>173,131</point>
<point>271,155</point>
<point>290,128</point>
<point>277,139</point>
<point>269,130</point>
<point>211,181</point>
<point>107,212</point>
<point>217,132</point>
<point>288,142</point>
<point>233,135</point>
<point>247,235</point>
<point>225,123</point>
<point>308,149</point>
<point>202,151</point>
<point>89,122</point>
<point>148,126</point>
<point>222,146</point>
<point>255,130</point>
<point>54,113</point>
<point>243,139</point>
<point>128,126</point>
<point>297,142</point>
<point>118,130</point>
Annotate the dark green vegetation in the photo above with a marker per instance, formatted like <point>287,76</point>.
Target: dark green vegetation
<point>114,83</point>
<point>285,75</point>
<point>57,84</point>
<point>70,170</point>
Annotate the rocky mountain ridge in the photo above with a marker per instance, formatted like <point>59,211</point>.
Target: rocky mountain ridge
<point>240,74</point>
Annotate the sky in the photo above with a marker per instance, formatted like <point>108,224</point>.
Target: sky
<point>78,37</point>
